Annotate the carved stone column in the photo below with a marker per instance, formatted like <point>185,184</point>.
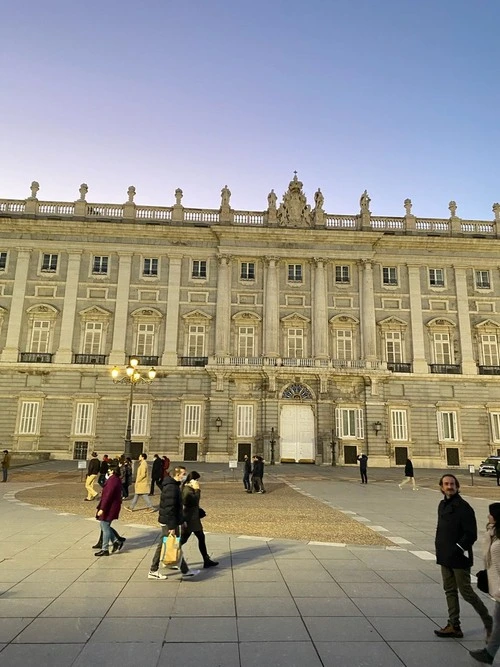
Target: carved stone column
<point>11,350</point>
<point>65,350</point>
<point>117,355</point>
<point>169,357</point>
<point>223,309</point>
<point>468,363</point>
<point>368,329</point>
<point>271,309</point>
<point>419,361</point>
<point>320,312</point>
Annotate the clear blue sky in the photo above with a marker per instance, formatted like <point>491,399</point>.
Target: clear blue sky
<point>401,97</point>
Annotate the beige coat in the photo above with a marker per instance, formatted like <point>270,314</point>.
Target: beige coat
<point>142,484</point>
<point>6,461</point>
<point>492,563</point>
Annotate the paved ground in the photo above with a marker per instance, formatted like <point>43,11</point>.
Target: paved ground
<point>271,601</point>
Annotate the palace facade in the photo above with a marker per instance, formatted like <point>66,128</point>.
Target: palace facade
<point>289,332</point>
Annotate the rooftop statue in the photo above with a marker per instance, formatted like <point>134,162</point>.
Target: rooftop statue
<point>225,195</point>
<point>294,210</point>
<point>364,202</point>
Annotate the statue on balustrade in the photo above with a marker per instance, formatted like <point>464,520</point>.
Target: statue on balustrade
<point>271,201</point>
<point>178,197</point>
<point>294,210</point>
<point>319,200</point>
<point>84,188</point>
<point>364,202</point>
<point>225,195</point>
<point>34,187</point>
<point>453,209</point>
<point>131,194</point>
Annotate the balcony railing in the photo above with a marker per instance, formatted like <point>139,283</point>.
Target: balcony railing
<point>97,359</point>
<point>35,357</point>
<point>193,361</point>
<point>446,368</point>
<point>489,370</point>
<point>398,367</point>
<point>145,360</point>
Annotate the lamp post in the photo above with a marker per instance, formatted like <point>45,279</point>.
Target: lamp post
<point>272,442</point>
<point>132,377</point>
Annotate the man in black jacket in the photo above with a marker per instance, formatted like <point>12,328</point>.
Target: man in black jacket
<point>247,471</point>
<point>170,519</point>
<point>92,472</point>
<point>455,534</point>
<point>156,474</point>
<point>103,470</point>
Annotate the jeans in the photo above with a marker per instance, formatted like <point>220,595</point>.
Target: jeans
<point>494,642</point>
<point>458,579</point>
<point>364,478</point>
<point>125,489</point>
<point>144,496</point>
<point>246,481</point>
<point>5,472</point>
<point>106,534</point>
<point>409,479</point>
<point>257,483</point>
<point>156,558</point>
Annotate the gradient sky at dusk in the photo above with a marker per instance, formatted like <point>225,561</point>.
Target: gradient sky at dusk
<point>401,97</point>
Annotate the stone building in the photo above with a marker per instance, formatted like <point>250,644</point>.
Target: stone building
<point>290,332</point>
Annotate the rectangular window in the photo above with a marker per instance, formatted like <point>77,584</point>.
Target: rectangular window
<point>244,421</point>
<point>436,277</point>
<point>390,275</point>
<point>399,425</point>
<point>489,348</point>
<point>92,338</point>
<point>192,419</point>
<point>150,267</point>
<point>3,261</point>
<point>447,426</point>
<point>495,426</point>
<point>344,345</point>
<point>483,280</point>
<point>100,265</point>
<point>350,423</point>
<point>28,424</point>
<point>139,422</point>
<point>295,273</point>
<point>145,339</point>
<point>342,274</point>
<point>442,348</point>
<point>296,343</point>
<point>196,340</point>
<point>49,263</point>
<point>246,340</point>
<point>247,271</point>
<point>40,336</point>
<point>84,418</point>
<point>393,346</point>
<point>199,269</point>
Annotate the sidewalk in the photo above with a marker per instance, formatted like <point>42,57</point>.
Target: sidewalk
<point>276,602</point>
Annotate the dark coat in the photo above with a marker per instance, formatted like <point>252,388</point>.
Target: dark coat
<point>456,525</point>
<point>258,469</point>
<point>247,467</point>
<point>157,470</point>
<point>104,467</point>
<point>170,514</point>
<point>111,499</point>
<point>94,466</point>
<point>191,508</point>
<point>409,469</point>
<point>126,473</point>
<point>363,462</point>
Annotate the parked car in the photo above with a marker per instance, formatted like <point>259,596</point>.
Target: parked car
<point>488,468</point>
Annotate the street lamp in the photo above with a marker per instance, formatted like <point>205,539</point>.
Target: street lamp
<point>131,377</point>
<point>272,442</point>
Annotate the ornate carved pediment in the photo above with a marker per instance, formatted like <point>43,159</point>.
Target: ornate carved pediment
<point>94,312</point>
<point>487,324</point>
<point>196,315</point>
<point>294,210</point>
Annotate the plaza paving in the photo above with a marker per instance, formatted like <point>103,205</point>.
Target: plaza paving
<point>270,601</point>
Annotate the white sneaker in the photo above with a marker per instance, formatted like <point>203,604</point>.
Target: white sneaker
<point>156,575</point>
<point>400,486</point>
<point>191,573</point>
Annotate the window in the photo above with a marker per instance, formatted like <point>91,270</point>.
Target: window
<point>145,340</point>
<point>3,261</point>
<point>84,418</point>
<point>246,341</point>
<point>495,426</point>
<point>483,280</point>
<point>49,263</point>
<point>40,336</point>
<point>344,345</point>
<point>247,271</point>
<point>192,418</point>
<point>92,338</point>
<point>244,421</point>
<point>295,273</point>
<point>196,340</point>
<point>447,426</point>
<point>100,265</point>
<point>150,267</point>
<point>342,274</point>
<point>28,424</point>
<point>399,425</point>
<point>389,275</point>
<point>393,346</point>
<point>489,349</point>
<point>436,277</point>
<point>295,343</point>
<point>349,423</point>
<point>139,422</point>
<point>199,269</point>
<point>442,348</point>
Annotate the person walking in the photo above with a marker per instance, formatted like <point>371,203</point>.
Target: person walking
<point>92,472</point>
<point>456,532</point>
<point>363,465</point>
<point>126,475</point>
<point>192,515</point>
<point>117,539</point>
<point>141,485</point>
<point>108,510</point>
<point>6,459</point>
<point>497,472</point>
<point>491,554</point>
<point>258,474</point>
<point>166,467</point>
<point>103,470</point>
<point>247,471</point>
<point>156,474</point>
<point>409,475</point>
<point>170,520</point>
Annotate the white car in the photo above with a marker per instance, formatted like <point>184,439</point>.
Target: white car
<point>488,468</point>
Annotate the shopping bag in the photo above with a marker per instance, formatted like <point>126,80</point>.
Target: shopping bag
<point>482,581</point>
<point>171,552</point>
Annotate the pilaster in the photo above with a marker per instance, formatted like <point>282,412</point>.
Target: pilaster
<point>11,350</point>
<point>65,351</point>
<point>117,355</point>
<point>169,357</point>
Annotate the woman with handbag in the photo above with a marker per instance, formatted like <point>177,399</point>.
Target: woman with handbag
<point>193,514</point>
<point>492,580</point>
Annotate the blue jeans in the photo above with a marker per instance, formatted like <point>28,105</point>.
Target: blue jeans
<point>144,496</point>
<point>107,535</point>
<point>5,472</point>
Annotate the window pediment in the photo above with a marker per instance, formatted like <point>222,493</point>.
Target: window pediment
<point>43,310</point>
<point>94,313</point>
<point>440,322</point>
<point>246,315</point>
<point>196,315</point>
<point>392,323</point>
<point>488,325</point>
<point>147,313</point>
<point>343,321</point>
<point>295,319</point>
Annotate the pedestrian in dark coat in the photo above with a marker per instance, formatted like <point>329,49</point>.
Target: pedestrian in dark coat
<point>247,471</point>
<point>126,475</point>
<point>497,471</point>
<point>192,514</point>
<point>409,475</point>
<point>103,470</point>
<point>363,465</point>
<point>156,474</point>
<point>108,510</point>
<point>258,474</point>
<point>456,532</point>
<point>166,466</point>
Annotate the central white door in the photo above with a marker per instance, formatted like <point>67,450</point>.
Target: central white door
<point>297,434</point>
